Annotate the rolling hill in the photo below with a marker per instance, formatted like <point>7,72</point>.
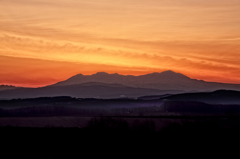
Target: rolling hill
<point>215,97</point>
<point>84,90</point>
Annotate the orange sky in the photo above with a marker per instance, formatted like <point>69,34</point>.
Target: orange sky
<point>45,41</point>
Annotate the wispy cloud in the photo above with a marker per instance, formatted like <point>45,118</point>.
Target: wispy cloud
<point>187,36</point>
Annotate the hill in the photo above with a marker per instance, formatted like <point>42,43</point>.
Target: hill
<point>215,97</point>
<point>84,90</point>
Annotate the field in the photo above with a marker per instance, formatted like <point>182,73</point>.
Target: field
<point>158,123</point>
<point>72,137</point>
<point>64,127</point>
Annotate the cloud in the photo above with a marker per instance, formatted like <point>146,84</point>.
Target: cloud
<point>35,72</point>
<point>188,36</point>
<point>118,55</point>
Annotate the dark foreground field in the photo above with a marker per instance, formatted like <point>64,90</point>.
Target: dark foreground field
<point>65,127</point>
<point>119,136</point>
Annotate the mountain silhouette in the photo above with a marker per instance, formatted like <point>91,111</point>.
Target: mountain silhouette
<point>128,80</point>
<point>104,85</point>
<point>167,80</point>
<point>6,87</point>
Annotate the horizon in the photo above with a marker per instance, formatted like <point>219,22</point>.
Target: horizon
<point>26,86</point>
<point>44,42</point>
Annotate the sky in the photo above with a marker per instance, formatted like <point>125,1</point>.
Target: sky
<point>46,41</point>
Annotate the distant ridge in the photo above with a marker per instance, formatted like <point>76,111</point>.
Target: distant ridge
<point>166,80</point>
<point>129,80</point>
<point>7,87</point>
<point>215,97</point>
<point>104,85</point>
<point>84,90</point>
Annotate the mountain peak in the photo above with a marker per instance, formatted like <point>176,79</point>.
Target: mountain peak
<point>168,71</point>
<point>77,76</point>
<point>101,73</point>
<point>5,87</point>
<point>166,74</point>
<point>171,73</point>
<point>105,74</point>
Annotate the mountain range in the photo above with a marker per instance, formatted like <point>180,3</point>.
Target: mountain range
<point>104,85</point>
<point>6,87</point>
<point>167,80</point>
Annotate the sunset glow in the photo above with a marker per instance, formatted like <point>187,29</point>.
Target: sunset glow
<point>46,41</point>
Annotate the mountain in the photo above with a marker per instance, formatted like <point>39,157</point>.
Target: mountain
<point>6,87</point>
<point>104,85</point>
<point>167,80</point>
<point>84,90</point>
<point>129,80</point>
